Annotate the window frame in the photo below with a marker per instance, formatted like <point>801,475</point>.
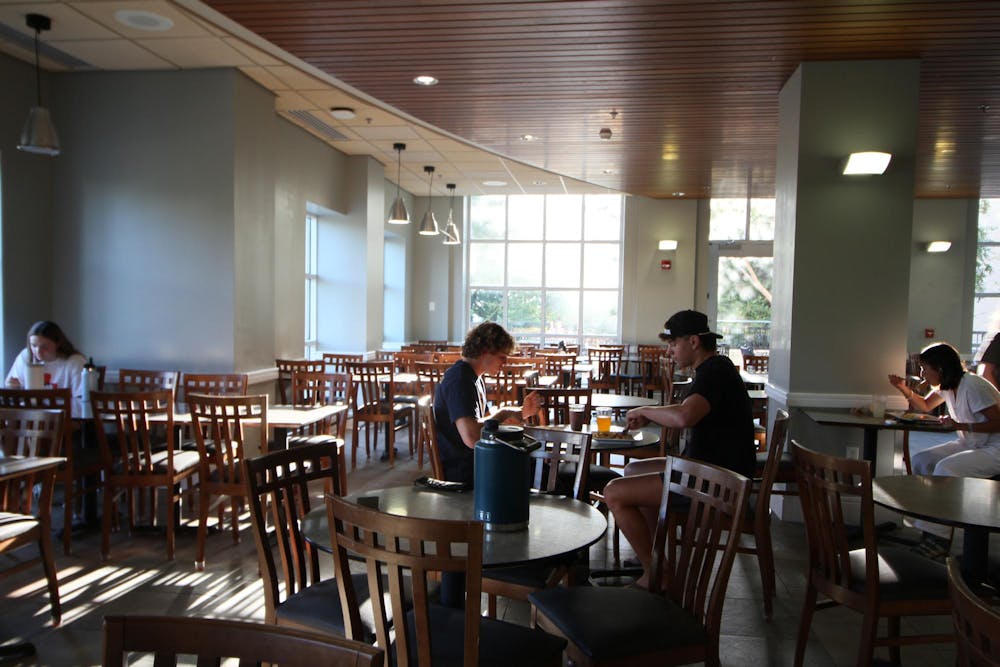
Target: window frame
<point>311,315</point>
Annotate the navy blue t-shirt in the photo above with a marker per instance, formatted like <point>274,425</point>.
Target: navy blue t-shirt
<point>459,394</point>
<point>724,437</point>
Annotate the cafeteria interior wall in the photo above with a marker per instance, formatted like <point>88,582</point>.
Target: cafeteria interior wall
<point>432,275</point>
<point>939,298</point>
<point>372,173</point>
<point>26,214</point>
<point>650,294</point>
<point>308,173</point>
<point>405,235</point>
<point>144,252</point>
<point>255,253</point>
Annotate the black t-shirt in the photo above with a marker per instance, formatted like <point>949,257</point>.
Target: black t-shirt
<point>459,394</point>
<point>992,353</point>
<point>724,437</point>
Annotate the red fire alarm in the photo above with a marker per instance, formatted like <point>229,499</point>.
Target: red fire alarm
<point>665,264</point>
<point>928,333</point>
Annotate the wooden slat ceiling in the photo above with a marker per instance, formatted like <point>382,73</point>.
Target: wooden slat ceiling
<point>694,84</point>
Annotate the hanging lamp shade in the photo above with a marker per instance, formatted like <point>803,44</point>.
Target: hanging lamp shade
<point>429,224</point>
<point>398,215</point>
<point>39,134</point>
<point>450,229</point>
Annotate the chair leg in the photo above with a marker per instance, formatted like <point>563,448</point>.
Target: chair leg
<point>354,444</point>
<point>48,564</point>
<point>808,607</point>
<point>203,499</point>
<point>171,509</point>
<point>491,605</point>
<point>68,500</point>
<point>765,560</point>
<point>866,644</point>
<point>234,520</point>
<point>109,492</point>
<point>893,631</point>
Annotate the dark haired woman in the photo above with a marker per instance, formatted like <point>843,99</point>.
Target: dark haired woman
<point>973,410</point>
<point>48,345</point>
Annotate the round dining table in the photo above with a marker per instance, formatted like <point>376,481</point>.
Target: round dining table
<point>963,502</point>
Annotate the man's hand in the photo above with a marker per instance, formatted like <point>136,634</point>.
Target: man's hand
<point>635,418</point>
<point>532,404</point>
<point>14,383</point>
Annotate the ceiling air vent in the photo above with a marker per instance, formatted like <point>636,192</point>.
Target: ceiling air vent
<point>318,125</point>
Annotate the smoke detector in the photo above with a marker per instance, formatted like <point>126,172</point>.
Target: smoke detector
<point>605,134</point>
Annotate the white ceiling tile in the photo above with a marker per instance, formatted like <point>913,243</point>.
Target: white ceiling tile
<point>296,79</point>
<point>196,52</point>
<point>289,101</point>
<point>252,52</point>
<point>104,13</point>
<point>67,23</point>
<point>262,76</point>
<point>114,54</point>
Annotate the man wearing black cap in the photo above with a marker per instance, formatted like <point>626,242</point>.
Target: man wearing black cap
<point>718,413</point>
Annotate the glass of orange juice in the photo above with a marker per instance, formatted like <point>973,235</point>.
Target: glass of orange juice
<point>603,419</point>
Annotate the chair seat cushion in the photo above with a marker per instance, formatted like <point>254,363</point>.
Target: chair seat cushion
<point>406,398</point>
<point>182,461</point>
<point>300,440</point>
<point>14,525</point>
<point>903,575</point>
<point>534,575</point>
<point>502,644</point>
<point>618,622</point>
<point>318,607</point>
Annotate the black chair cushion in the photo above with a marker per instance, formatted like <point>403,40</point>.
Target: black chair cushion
<point>300,440</point>
<point>535,575</point>
<point>501,644</point>
<point>318,607</point>
<point>610,622</point>
<point>182,461</point>
<point>903,575</point>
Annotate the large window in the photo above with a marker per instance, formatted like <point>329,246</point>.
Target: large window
<point>547,267</point>
<point>986,306</point>
<point>312,285</point>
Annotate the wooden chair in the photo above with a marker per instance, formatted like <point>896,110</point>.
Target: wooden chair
<point>757,522</point>
<point>130,379</point>
<point>223,429</point>
<point>278,486</point>
<point>412,550</point>
<point>376,404</point>
<point>650,377</point>
<point>81,462</point>
<point>313,389</point>
<point>213,641</point>
<point>336,362</point>
<point>977,623</point>
<point>560,449</point>
<point>30,433</point>
<point>215,384</point>
<point>874,580</point>
<point>607,363</point>
<point>427,433</point>
<point>556,401</point>
<point>676,621</point>
<point>288,366</point>
<point>133,458</point>
<point>562,366</point>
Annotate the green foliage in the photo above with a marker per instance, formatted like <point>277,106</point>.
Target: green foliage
<point>739,297</point>
<point>985,233</point>
<point>486,305</point>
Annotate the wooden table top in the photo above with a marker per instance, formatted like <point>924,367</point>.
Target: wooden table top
<point>845,417</point>
<point>955,501</point>
<point>621,401</point>
<point>557,526</point>
<point>278,416</point>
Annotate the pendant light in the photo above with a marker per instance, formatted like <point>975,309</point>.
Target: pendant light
<point>451,229</point>
<point>398,215</point>
<point>429,224</point>
<point>39,135</point>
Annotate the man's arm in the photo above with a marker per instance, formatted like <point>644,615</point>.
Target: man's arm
<point>990,373</point>
<point>686,414</point>
<point>470,429</point>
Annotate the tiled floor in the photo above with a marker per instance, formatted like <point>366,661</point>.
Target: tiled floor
<point>139,580</point>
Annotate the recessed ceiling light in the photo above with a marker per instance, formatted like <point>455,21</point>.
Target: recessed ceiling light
<point>494,184</point>
<point>529,137</point>
<point>342,113</point>
<point>143,20</point>
<point>677,194</point>
<point>425,80</point>
<point>539,183</point>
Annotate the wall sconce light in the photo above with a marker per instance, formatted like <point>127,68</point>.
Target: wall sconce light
<point>939,246</point>
<point>866,163</point>
<point>668,244</point>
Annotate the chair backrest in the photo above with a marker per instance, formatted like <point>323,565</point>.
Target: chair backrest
<point>369,379</point>
<point>215,384</point>
<point>824,483</point>
<point>25,432</point>
<point>130,379</point>
<point>770,473</point>
<point>560,447</point>
<point>406,362</point>
<point>447,357</point>
<point>336,362</point>
<point>428,432</point>
<point>526,349</point>
<point>977,623</point>
<point>686,572</point>
<point>755,363</point>
<point>313,389</point>
<point>285,369</point>
<point>279,483</point>
<point>430,374</point>
<point>555,402</point>
<point>607,362</point>
<point>212,641</point>
<point>562,366</point>
<point>397,545</point>
<point>222,422</point>
<point>44,399</point>
<point>141,422</point>
<point>649,367</point>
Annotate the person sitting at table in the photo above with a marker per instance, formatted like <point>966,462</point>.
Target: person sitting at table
<point>973,410</point>
<point>460,399</point>
<point>48,345</point>
<point>987,361</point>
<point>718,412</point>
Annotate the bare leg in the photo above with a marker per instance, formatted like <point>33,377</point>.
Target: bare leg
<point>629,498</point>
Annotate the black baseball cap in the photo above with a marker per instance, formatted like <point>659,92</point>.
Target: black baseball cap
<point>686,323</point>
